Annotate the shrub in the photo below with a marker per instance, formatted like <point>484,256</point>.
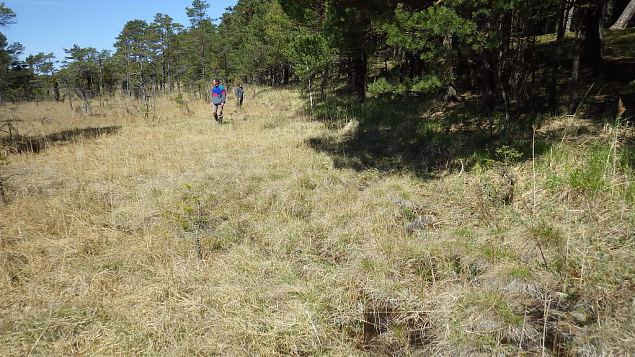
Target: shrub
<point>508,155</point>
<point>380,87</point>
<point>182,104</point>
<point>427,84</point>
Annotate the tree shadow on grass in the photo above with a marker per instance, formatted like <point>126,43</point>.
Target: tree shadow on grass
<point>35,144</point>
<point>427,137</point>
<point>419,136</point>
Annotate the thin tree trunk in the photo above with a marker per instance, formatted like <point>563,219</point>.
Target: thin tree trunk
<point>570,12</point>
<point>56,91</point>
<point>553,86</point>
<point>350,73</point>
<point>311,95</point>
<point>532,90</point>
<point>273,76</point>
<point>575,74</point>
<point>488,83</point>
<point>503,70</point>
<point>170,88</point>
<point>360,71</point>
<point>626,17</point>
<point>285,74</point>
<point>323,84</point>
<point>128,90</point>
<point>86,102</point>
<point>592,35</point>
<point>602,25</point>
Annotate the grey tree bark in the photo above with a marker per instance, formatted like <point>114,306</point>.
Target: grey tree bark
<point>569,19</point>
<point>626,16</point>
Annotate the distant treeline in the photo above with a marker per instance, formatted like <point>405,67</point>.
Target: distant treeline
<point>487,47</point>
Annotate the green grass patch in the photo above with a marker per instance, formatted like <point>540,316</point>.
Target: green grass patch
<point>464,232</point>
<point>518,272</point>
<point>592,169</point>
<point>495,252</point>
<point>493,302</point>
<point>620,43</point>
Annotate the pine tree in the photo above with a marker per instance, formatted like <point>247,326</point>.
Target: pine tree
<point>80,73</point>
<point>7,16</point>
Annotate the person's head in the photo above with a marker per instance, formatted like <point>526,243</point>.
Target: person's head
<point>215,82</point>
<point>240,85</point>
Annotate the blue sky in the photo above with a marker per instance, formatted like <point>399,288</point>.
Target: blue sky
<point>52,25</point>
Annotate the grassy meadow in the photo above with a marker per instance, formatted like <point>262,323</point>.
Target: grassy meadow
<point>281,233</point>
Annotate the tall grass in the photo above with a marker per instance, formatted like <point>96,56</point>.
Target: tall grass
<point>178,236</point>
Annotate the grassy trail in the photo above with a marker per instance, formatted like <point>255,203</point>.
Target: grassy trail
<point>98,248</point>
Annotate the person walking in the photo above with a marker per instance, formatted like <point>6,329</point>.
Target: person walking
<point>240,93</point>
<point>218,100</point>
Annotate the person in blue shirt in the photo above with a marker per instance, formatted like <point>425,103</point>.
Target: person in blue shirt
<point>218,100</point>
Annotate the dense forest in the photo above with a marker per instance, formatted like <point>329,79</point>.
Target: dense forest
<point>493,49</point>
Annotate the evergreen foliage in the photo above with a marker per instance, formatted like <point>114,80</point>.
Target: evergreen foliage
<point>485,47</point>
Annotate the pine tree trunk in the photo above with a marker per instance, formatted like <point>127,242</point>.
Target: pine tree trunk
<point>86,102</point>
<point>311,95</point>
<point>569,17</point>
<point>350,76</point>
<point>128,90</point>
<point>285,74</point>
<point>503,73</point>
<point>273,76</point>
<point>592,35</point>
<point>323,85</point>
<point>626,17</point>
<point>575,74</point>
<point>487,84</point>
<point>553,86</point>
<point>360,72</point>
<point>56,90</point>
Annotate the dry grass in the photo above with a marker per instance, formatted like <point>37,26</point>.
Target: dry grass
<point>43,118</point>
<point>97,246</point>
